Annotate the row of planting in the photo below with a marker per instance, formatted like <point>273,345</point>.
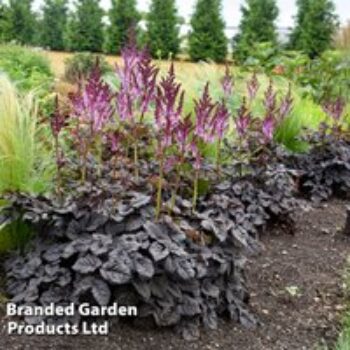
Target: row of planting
<point>142,215</point>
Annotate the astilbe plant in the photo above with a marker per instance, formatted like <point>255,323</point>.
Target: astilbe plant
<point>256,133</point>
<point>211,122</point>
<point>227,83</point>
<point>92,110</point>
<point>138,80</point>
<point>335,111</point>
<point>169,105</point>
<point>101,241</point>
<point>324,170</point>
<point>107,124</point>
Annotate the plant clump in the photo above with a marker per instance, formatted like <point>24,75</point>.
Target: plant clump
<point>140,214</point>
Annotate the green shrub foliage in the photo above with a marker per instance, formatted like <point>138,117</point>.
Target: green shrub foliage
<point>207,40</point>
<point>82,64</point>
<point>123,17</point>
<point>53,24</point>
<point>4,23</point>
<point>316,24</point>
<point>21,21</point>
<point>27,68</point>
<point>257,26</point>
<point>85,27</point>
<point>163,29</point>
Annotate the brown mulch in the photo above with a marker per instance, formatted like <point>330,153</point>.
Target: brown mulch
<point>297,293</point>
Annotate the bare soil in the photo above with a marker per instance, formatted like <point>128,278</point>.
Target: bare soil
<point>296,287</point>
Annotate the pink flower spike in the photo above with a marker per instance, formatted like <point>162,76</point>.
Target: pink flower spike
<point>253,87</point>
<point>220,121</point>
<point>227,82</point>
<point>57,121</point>
<point>334,109</point>
<point>183,133</point>
<point>169,104</point>
<point>270,98</point>
<point>242,120</point>
<point>286,104</point>
<point>268,128</point>
<point>92,103</point>
<point>203,110</point>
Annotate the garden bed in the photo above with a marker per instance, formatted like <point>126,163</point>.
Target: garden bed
<point>296,291</point>
<point>157,211</point>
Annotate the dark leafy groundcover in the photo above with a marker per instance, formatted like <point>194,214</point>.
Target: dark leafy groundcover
<point>324,172</point>
<point>102,245</point>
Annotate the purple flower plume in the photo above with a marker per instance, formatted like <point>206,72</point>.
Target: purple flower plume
<point>92,103</point>
<point>183,134</point>
<point>286,104</point>
<point>268,127</point>
<point>147,82</point>
<point>114,139</point>
<point>204,112</point>
<point>253,87</point>
<point>270,101</point>
<point>57,121</point>
<point>169,105</point>
<point>227,82</point>
<point>243,120</point>
<point>138,77</point>
<point>334,109</point>
<point>220,121</point>
<point>124,105</point>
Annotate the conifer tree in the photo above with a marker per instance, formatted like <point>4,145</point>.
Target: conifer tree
<point>207,39</point>
<point>123,17</point>
<point>53,24</point>
<point>85,31</point>
<point>21,21</point>
<point>257,26</point>
<point>4,23</point>
<point>316,24</point>
<point>163,29</point>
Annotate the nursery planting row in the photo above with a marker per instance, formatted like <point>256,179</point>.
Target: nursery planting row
<point>159,209</point>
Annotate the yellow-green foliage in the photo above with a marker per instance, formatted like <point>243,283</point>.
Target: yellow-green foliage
<point>27,67</point>
<point>24,161</point>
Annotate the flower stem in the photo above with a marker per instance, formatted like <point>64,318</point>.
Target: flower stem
<point>195,190</point>
<point>58,165</point>
<point>136,160</point>
<point>175,190</point>
<point>84,166</point>
<point>160,185</point>
<point>99,157</point>
<point>115,167</point>
<point>218,156</point>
